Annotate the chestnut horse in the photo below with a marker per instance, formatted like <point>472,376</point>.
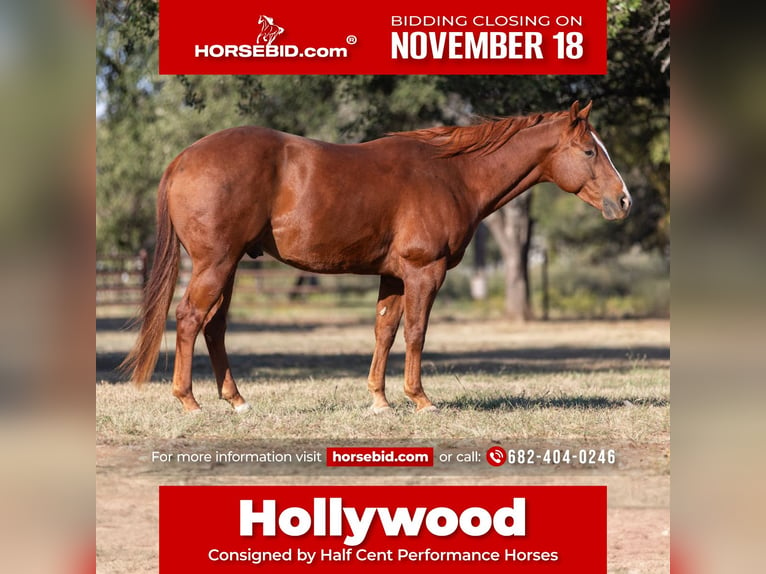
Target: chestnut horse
<point>403,207</point>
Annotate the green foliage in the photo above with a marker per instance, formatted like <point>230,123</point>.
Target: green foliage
<point>371,106</point>
<point>632,284</point>
<point>618,12</point>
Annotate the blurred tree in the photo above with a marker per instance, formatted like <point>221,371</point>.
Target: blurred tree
<point>511,227</point>
<point>125,58</point>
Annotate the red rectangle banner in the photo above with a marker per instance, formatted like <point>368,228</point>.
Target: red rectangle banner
<point>394,37</point>
<point>380,456</point>
<point>376,528</point>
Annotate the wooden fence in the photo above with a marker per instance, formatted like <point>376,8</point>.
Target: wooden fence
<point>120,281</point>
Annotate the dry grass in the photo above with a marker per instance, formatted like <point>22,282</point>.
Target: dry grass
<point>572,381</point>
<point>630,406</point>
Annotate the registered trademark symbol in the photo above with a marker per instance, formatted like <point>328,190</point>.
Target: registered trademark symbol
<point>351,39</point>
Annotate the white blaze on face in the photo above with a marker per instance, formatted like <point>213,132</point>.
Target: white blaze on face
<point>606,154</point>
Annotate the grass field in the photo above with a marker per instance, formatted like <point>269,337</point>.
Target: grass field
<point>560,380</point>
<point>303,369</point>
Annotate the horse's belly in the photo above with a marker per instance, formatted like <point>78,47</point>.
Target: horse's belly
<point>363,255</point>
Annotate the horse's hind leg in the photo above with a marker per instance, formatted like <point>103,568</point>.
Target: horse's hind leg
<point>205,291</point>
<point>215,331</point>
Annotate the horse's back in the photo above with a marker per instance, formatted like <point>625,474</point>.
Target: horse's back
<point>233,144</point>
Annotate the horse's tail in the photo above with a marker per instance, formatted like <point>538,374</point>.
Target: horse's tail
<point>158,293</point>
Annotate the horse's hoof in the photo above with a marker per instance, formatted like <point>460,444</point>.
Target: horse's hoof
<point>194,412</point>
<point>387,410</point>
<point>427,410</point>
<point>243,408</point>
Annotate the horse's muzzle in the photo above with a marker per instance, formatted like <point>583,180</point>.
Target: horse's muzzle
<point>616,209</point>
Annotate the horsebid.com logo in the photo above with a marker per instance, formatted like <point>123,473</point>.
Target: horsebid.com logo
<point>265,46</point>
<point>269,30</point>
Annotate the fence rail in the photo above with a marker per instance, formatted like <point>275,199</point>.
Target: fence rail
<point>120,280</point>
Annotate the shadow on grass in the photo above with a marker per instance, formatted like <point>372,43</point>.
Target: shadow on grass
<point>562,402</point>
<point>510,364</point>
<point>104,324</point>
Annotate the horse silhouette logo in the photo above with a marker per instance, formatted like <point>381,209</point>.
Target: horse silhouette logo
<point>269,30</point>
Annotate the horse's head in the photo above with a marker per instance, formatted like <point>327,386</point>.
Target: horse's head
<point>581,165</point>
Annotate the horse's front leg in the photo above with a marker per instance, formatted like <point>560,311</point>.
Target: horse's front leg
<point>420,288</point>
<point>388,313</point>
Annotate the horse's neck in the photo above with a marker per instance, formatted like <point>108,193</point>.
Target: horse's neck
<point>495,179</point>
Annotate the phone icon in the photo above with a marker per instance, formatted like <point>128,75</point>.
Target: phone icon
<point>496,455</point>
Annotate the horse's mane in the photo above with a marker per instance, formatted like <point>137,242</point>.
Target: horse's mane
<point>483,137</point>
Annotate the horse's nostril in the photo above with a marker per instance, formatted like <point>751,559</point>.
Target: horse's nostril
<point>625,202</point>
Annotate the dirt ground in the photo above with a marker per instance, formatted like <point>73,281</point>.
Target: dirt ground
<point>638,518</point>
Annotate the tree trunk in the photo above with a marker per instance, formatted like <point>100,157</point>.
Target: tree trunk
<point>511,227</point>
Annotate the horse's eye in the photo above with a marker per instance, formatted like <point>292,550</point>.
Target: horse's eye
<point>590,152</point>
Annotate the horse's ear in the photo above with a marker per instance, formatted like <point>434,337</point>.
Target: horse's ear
<point>574,112</point>
<point>576,115</point>
<point>585,112</point>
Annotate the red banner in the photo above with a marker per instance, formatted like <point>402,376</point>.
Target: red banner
<point>395,37</point>
<point>380,528</point>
